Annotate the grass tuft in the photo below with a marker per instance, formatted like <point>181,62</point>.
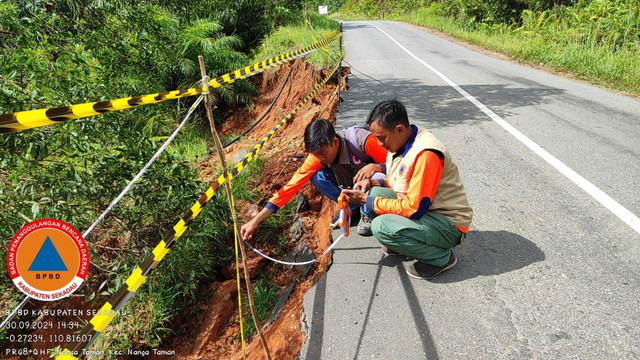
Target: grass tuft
<point>265,296</point>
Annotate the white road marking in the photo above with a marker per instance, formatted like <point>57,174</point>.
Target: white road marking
<point>618,210</point>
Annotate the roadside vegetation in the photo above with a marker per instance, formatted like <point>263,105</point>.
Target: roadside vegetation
<point>594,40</point>
<point>286,37</point>
<point>70,52</point>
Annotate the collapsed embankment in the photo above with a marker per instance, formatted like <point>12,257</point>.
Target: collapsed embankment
<point>214,332</point>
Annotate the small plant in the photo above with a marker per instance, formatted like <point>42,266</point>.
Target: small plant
<point>265,296</point>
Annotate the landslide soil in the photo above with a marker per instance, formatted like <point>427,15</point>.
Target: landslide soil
<point>214,332</point>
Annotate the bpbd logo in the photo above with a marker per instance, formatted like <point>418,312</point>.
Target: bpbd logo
<point>402,170</point>
<point>48,259</point>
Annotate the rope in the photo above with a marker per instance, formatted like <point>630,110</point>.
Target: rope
<point>144,168</point>
<point>234,217</point>
<point>273,182</point>
<point>108,311</point>
<point>297,263</point>
<point>120,196</point>
<point>235,243</point>
<point>331,225</point>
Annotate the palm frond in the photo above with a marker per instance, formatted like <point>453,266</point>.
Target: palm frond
<point>187,66</point>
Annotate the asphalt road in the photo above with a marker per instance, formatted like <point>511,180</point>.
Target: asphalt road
<point>550,269</point>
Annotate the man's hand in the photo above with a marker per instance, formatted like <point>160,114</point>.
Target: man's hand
<point>246,231</point>
<point>362,185</point>
<point>367,172</point>
<point>355,196</point>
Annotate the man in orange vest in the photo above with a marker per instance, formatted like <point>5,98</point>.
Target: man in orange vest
<point>421,208</point>
<point>335,160</point>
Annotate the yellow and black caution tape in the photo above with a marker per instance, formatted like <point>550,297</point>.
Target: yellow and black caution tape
<point>35,118</point>
<point>313,37</point>
<point>108,311</point>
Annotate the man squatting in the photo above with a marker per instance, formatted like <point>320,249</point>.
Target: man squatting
<point>420,209</point>
<point>334,160</point>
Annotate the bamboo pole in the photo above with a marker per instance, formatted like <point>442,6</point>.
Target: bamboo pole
<point>247,279</point>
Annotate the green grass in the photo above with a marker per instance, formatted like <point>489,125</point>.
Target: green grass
<point>234,134</point>
<point>602,66</point>
<point>175,286</point>
<point>265,296</point>
<point>192,143</point>
<point>351,17</point>
<point>287,38</point>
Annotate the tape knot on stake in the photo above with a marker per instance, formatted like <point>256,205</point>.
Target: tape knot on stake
<point>205,84</point>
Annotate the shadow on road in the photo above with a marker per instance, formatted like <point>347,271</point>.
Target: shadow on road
<point>435,106</point>
<point>483,253</point>
<point>354,26</point>
<point>486,253</point>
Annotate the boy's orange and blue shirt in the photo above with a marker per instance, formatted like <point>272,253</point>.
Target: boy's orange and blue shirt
<point>312,164</point>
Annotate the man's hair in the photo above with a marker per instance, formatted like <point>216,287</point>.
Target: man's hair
<point>317,134</point>
<point>389,113</point>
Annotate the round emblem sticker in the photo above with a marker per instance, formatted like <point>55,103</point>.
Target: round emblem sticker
<point>401,170</point>
<point>355,159</point>
<point>48,259</point>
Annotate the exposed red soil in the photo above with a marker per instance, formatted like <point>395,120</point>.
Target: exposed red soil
<point>289,138</point>
<point>284,336</point>
<point>215,331</point>
<point>217,316</point>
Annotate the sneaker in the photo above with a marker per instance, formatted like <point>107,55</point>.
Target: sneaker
<point>420,270</point>
<point>364,229</point>
<point>355,218</point>
<point>389,252</point>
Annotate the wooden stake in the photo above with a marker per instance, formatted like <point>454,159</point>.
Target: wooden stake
<point>247,279</point>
